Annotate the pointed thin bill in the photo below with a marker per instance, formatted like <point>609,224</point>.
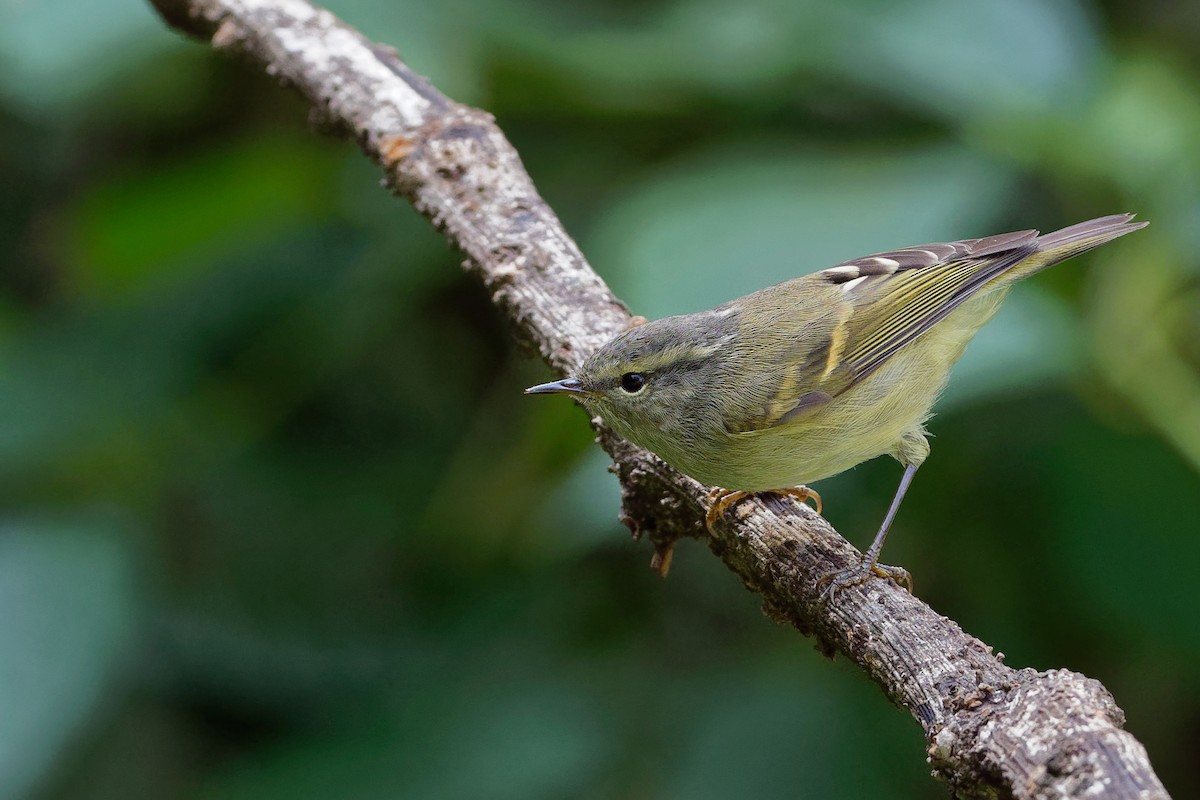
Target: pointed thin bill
<point>565,386</point>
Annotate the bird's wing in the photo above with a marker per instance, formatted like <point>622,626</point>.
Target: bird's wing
<point>883,302</point>
<point>879,303</point>
<point>898,296</point>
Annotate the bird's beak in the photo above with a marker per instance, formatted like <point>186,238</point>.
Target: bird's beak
<point>565,386</point>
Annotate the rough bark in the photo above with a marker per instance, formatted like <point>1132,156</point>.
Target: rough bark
<point>992,731</point>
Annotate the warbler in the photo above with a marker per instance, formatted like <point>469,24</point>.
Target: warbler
<point>808,378</point>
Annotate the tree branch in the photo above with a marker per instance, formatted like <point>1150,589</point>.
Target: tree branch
<point>992,731</point>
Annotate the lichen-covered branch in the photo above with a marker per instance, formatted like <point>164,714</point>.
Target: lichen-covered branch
<point>992,731</point>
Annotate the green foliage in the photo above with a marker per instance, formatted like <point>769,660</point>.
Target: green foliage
<point>277,521</point>
<point>68,601</point>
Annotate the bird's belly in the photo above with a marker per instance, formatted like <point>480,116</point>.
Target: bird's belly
<point>867,421</point>
<point>780,458</point>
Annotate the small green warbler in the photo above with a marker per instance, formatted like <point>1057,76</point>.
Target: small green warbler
<point>803,380</point>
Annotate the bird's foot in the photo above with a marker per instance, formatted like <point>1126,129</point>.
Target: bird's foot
<point>861,572</point>
<point>801,493</point>
<point>720,500</point>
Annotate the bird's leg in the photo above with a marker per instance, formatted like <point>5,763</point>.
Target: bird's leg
<point>720,500</point>
<point>852,576</point>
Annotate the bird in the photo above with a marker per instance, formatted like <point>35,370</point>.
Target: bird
<point>805,379</point>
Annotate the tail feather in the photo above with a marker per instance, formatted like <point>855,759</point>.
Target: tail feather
<point>1063,244</point>
<point>1092,233</point>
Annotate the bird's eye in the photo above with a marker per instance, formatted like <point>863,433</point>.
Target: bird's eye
<point>633,382</point>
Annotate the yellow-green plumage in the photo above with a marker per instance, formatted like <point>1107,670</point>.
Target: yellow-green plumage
<point>803,380</point>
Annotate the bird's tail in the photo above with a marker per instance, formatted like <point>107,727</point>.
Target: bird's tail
<point>1061,245</point>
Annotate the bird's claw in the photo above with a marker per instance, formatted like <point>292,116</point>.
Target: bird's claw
<point>803,494</point>
<point>721,500</point>
<point>834,582</point>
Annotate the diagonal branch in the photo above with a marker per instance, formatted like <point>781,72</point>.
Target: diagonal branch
<point>992,731</point>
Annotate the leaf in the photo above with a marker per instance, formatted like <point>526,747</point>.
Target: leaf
<point>142,228</point>
<point>484,738</point>
<point>52,55</point>
<point>727,221</point>
<point>66,616</point>
<point>953,59</point>
<point>960,58</point>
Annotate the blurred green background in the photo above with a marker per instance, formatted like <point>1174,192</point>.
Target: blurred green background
<point>278,522</point>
